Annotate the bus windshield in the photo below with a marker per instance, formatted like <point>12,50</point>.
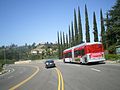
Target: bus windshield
<point>68,55</point>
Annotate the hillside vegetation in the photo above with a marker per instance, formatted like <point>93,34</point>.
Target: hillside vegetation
<point>12,53</point>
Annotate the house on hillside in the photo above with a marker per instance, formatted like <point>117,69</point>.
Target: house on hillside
<point>37,51</point>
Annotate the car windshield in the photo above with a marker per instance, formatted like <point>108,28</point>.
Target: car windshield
<point>50,61</point>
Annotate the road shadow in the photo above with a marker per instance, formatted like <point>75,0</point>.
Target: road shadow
<point>88,64</point>
<point>95,63</point>
<point>50,67</point>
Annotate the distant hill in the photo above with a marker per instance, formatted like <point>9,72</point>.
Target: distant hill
<point>44,48</point>
<point>32,52</point>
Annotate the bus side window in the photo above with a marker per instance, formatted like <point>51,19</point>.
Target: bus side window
<point>65,55</point>
<point>77,53</point>
<point>69,54</point>
<point>82,52</point>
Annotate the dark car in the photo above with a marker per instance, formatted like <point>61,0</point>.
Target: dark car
<point>49,64</point>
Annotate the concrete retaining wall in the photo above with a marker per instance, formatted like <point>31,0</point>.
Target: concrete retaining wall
<point>22,62</point>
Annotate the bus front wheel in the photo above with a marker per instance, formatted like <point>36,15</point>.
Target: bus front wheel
<point>64,61</point>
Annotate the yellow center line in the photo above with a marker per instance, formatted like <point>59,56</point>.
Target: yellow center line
<point>60,80</point>
<point>21,83</point>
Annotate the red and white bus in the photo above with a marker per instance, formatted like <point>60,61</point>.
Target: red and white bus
<point>85,53</point>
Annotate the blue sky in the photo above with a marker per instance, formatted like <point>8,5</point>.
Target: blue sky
<point>28,21</point>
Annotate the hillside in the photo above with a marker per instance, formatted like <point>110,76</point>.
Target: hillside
<point>32,52</point>
<point>45,50</point>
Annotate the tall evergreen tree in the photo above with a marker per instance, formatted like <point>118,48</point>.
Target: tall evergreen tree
<point>80,27</point>
<point>102,29</point>
<point>59,50</point>
<point>114,24</point>
<point>87,25</point>
<point>67,41</point>
<point>75,28</point>
<point>64,45</point>
<point>95,32</point>
<point>107,29</point>
<point>107,22</point>
<point>61,46</point>
<point>72,43</point>
<point>69,37</point>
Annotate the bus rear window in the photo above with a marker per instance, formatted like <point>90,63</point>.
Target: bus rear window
<point>94,48</point>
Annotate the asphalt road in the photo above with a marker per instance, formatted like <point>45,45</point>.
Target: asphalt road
<point>66,76</point>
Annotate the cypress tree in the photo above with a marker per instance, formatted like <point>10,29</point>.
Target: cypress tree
<point>61,45</point>
<point>107,23</point>
<point>72,43</point>
<point>64,45</point>
<point>80,27</point>
<point>107,30</point>
<point>69,37</point>
<point>59,50</point>
<point>87,25</point>
<point>66,40</point>
<point>75,28</point>
<point>95,32</point>
<point>102,29</point>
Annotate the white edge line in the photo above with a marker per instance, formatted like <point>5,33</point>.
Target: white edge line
<point>96,69</point>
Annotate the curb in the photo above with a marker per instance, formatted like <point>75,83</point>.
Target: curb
<point>3,71</point>
<point>113,62</point>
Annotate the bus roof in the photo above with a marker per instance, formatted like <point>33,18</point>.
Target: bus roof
<point>84,44</point>
<point>67,49</point>
<point>80,45</point>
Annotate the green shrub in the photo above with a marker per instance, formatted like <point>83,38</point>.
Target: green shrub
<point>7,61</point>
<point>112,49</point>
<point>112,57</point>
<point>1,66</point>
<point>77,59</point>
